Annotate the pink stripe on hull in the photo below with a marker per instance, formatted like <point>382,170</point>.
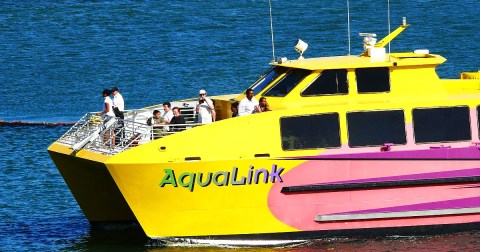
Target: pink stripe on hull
<point>300,209</point>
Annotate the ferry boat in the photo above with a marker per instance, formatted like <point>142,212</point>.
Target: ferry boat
<point>353,144</point>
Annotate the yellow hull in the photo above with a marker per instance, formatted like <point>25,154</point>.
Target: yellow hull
<point>189,209</point>
<point>91,185</point>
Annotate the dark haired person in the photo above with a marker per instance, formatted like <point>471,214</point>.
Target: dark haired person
<point>234,109</point>
<point>107,112</point>
<point>249,104</point>
<point>177,119</point>
<point>167,113</point>
<point>157,123</point>
<point>263,104</point>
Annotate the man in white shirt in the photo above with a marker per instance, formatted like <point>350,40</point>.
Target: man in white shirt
<point>249,104</point>
<point>205,108</point>
<point>118,99</point>
<point>118,103</point>
<point>167,114</point>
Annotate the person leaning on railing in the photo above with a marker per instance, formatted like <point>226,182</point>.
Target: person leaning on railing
<point>158,124</point>
<point>176,120</point>
<point>107,113</point>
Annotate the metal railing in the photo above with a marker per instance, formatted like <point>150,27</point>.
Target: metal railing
<point>87,125</point>
<point>116,135</point>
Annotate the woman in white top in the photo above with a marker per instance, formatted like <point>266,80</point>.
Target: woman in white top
<point>107,112</point>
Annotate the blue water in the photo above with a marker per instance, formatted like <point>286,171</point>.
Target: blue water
<point>57,56</point>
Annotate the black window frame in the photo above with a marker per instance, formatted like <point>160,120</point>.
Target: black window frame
<point>259,85</point>
<point>314,83</point>
<point>448,119</point>
<point>368,76</point>
<point>337,128</point>
<point>280,83</point>
<point>353,122</point>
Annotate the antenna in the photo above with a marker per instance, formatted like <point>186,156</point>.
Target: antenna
<point>271,29</point>
<point>389,59</point>
<point>348,24</point>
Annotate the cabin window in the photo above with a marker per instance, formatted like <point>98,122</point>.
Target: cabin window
<point>267,78</point>
<point>376,128</point>
<point>373,80</point>
<point>328,82</point>
<point>289,82</point>
<point>310,132</point>
<point>450,124</point>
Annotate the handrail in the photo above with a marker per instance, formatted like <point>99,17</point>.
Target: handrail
<point>117,135</point>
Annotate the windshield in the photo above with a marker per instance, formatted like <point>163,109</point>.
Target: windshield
<point>287,83</point>
<point>267,78</point>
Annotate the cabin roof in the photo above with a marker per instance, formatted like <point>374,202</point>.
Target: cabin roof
<point>348,62</point>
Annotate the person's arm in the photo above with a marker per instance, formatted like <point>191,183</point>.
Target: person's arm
<point>168,118</point>
<point>210,103</point>
<point>256,108</point>
<point>241,109</point>
<point>214,115</point>
<point>106,110</point>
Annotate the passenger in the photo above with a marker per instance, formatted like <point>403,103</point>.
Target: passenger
<point>118,108</point>
<point>158,124</point>
<point>264,107</point>
<point>177,119</point>
<point>167,114</point>
<point>234,109</point>
<point>205,108</point>
<point>249,104</point>
<point>118,101</point>
<point>107,112</point>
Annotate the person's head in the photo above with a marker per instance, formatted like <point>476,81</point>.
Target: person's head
<point>234,107</point>
<point>249,93</point>
<point>114,91</point>
<point>202,93</point>
<point>166,106</point>
<point>105,92</point>
<point>263,101</point>
<point>176,111</point>
<point>156,113</point>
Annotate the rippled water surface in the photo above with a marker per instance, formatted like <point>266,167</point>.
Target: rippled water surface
<point>56,57</point>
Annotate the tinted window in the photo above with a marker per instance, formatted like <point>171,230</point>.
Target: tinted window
<point>375,128</point>
<point>267,78</point>
<point>373,80</point>
<point>308,132</point>
<point>328,82</point>
<point>290,81</point>
<point>441,124</point>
